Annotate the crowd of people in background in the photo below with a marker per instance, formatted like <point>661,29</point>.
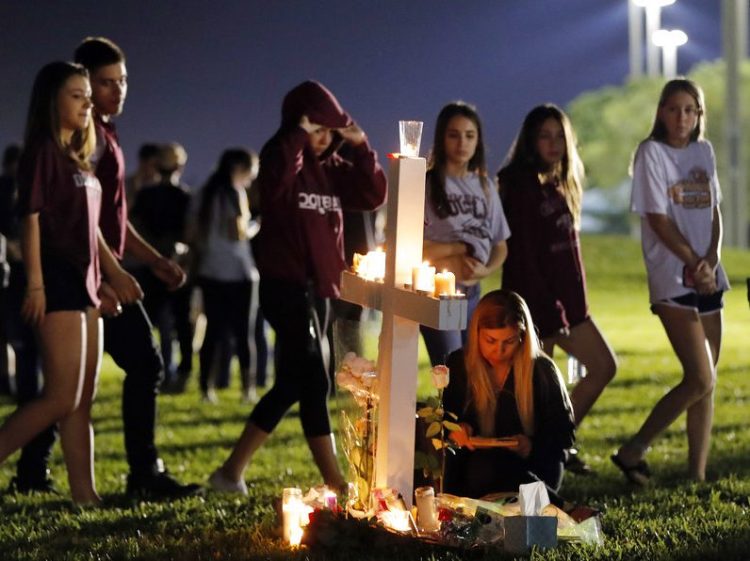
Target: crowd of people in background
<point>93,261</point>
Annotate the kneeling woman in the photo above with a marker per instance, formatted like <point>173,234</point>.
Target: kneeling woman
<point>503,385</point>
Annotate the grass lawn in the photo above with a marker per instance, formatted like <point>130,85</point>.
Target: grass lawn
<point>673,519</point>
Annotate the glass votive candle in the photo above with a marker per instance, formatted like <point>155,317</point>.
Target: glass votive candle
<point>410,137</point>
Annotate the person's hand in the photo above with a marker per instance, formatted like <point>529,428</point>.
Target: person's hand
<point>169,272</point>
<point>306,124</point>
<point>353,134</point>
<point>126,288</point>
<point>704,277</point>
<point>472,270</point>
<point>523,448</point>
<point>462,437</point>
<point>34,306</point>
<point>110,305</point>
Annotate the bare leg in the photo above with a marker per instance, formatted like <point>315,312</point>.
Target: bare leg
<point>700,414</point>
<point>688,338</point>
<point>587,344</point>
<point>324,454</point>
<point>76,432</point>
<point>62,337</point>
<point>251,439</point>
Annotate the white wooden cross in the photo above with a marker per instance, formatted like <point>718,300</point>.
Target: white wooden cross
<point>403,311</point>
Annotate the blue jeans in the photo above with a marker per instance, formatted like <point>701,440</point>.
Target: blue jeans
<point>442,343</point>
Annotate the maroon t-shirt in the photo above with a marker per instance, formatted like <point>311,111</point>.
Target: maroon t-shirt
<point>110,169</point>
<point>68,201</point>
<point>544,263</point>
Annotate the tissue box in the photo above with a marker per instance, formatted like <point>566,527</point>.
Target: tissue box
<point>523,532</point>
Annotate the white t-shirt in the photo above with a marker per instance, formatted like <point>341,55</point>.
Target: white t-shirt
<point>475,218</point>
<point>682,184</point>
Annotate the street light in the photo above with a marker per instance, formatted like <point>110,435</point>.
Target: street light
<point>669,40</point>
<point>653,23</point>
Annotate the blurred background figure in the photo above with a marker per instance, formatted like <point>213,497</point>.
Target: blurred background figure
<point>147,172</point>
<point>160,214</point>
<point>225,270</point>
<point>8,254</point>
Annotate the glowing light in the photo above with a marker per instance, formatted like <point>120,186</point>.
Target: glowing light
<point>669,38</point>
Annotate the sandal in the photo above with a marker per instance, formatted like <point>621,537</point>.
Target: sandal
<point>640,474</point>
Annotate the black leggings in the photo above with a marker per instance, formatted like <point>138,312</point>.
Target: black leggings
<point>300,321</point>
<point>228,307</point>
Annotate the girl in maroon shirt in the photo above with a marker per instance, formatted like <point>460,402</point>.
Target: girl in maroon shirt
<point>541,192</point>
<point>59,198</point>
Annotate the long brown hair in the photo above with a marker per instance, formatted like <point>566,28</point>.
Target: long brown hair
<point>43,120</point>
<point>524,153</point>
<point>497,309</point>
<point>438,159</point>
<point>658,130</point>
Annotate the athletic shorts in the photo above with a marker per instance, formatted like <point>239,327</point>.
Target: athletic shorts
<point>702,303</point>
<point>64,287</point>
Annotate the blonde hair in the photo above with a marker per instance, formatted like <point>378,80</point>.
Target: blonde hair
<point>497,309</point>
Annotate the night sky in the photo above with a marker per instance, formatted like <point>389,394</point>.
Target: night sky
<point>212,75</point>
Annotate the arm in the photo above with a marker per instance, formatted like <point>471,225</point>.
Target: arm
<point>359,182</point>
<point>281,161</point>
<point>553,411</point>
<point>166,270</point>
<point>124,286</point>
<point>434,251</point>
<point>475,270</point>
<point>34,303</point>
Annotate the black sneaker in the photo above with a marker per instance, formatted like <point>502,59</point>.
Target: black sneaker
<point>574,463</point>
<point>159,485</point>
<point>27,486</point>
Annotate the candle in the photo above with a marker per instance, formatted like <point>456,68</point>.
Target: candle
<point>423,278</point>
<point>426,514</point>
<point>291,510</point>
<point>445,283</point>
<point>371,266</point>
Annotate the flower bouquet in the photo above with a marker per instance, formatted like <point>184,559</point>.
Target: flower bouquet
<point>359,376</point>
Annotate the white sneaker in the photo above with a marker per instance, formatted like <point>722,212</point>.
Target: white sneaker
<point>219,482</point>
<point>210,397</point>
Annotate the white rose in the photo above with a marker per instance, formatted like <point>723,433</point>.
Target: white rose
<point>440,376</point>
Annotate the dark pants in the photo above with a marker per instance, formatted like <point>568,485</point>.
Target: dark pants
<point>129,341</point>
<point>170,312</point>
<point>481,472</point>
<point>300,321</point>
<point>32,465</point>
<point>229,312</point>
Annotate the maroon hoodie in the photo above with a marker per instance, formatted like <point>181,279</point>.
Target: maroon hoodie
<point>302,195</point>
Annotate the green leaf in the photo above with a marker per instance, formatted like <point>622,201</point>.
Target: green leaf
<point>433,429</point>
<point>451,426</point>
<point>452,415</point>
<point>424,411</point>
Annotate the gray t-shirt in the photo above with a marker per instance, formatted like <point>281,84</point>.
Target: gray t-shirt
<point>475,217</point>
<point>682,184</point>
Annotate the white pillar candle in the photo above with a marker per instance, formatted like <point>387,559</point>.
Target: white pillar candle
<point>291,508</point>
<point>423,278</point>
<point>445,283</point>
